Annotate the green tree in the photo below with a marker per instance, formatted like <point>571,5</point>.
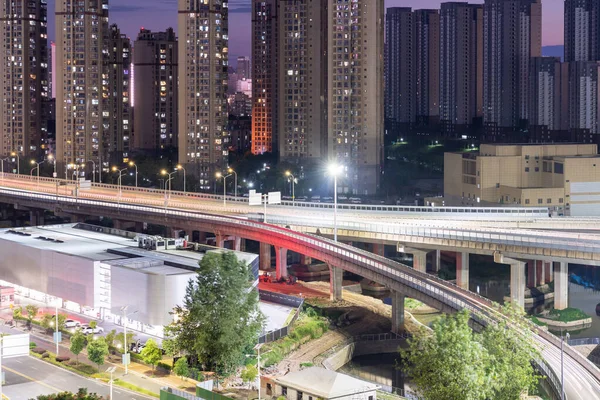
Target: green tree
<point>249,373</point>
<point>97,351</point>
<point>78,341</point>
<point>61,321</point>
<point>119,338</point>
<point>31,312</point>
<point>110,338</point>
<point>511,349</point>
<point>17,314</point>
<point>93,324</point>
<point>47,322</point>
<point>151,353</point>
<point>180,368</point>
<point>220,317</point>
<point>170,347</point>
<point>82,394</point>
<point>450,363</point>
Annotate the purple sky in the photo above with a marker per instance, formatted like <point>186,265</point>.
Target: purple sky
<point>130,15</point>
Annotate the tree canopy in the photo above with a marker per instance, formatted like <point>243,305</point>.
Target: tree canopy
<point>454,363</point>
<point>77,343</point>
<point>82,394</point>
<point>151,353</point>
<point>220,319</point>
<point>97,351</point>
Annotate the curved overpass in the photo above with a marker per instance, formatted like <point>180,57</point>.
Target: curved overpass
<point>582,378</point>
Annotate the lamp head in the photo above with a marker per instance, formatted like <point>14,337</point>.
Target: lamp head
<point>179,166</point>
<point>13,154</point>
<point>32,162</point>
<point>131,163</point>
<point>230,170</point>
<point>50,157</point>
<point>335,168</point>
<point>218,175</point>
<point>288,173</point>
<point>114,169</point>
<point>164,172</point>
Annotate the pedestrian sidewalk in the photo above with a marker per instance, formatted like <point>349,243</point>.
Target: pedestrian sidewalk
<point>138,374</point>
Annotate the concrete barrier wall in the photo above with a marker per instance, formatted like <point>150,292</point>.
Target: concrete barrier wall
<point>362,348</point>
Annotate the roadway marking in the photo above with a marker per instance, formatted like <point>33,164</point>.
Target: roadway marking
<point>32,379</point>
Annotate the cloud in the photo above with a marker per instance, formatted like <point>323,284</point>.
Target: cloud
<point>241,10</point>
<point>121,8</point>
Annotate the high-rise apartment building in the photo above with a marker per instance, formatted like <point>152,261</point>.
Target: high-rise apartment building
<point>244,68</point>
<point>81,36</point>
<point>461,66</point>
<point>24,74</point>
<point>583,97</point>
<point>400,50</point>
<point>354,77</point>
<point>427,45</point>
<point>512,35</point>
<point>265,76</point>
<point>116,78</point>
<point>155,60</point>
<point>582,30</point>
<point>546,96</point>
<point>203,62</point>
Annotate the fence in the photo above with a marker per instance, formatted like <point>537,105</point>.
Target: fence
<point>290,301</point>
<point>584,341</point>
<point>167,393</point>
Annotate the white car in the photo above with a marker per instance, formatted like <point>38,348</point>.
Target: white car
<point>88,329</point>
<point>71,323</point>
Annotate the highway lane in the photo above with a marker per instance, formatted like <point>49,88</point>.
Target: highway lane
<point>28,377</point>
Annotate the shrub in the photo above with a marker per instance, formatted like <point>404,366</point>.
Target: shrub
<point>46,355</point>
<point>38,350</point>
<point>164,367</point>
<point>62,358</point>
<point>32,345</point>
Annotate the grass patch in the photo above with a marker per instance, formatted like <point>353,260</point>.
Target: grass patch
<point>411,304</point>
<point>388,396</point>
<point>306,364</point>
<point>308,327</point>
<point>135,388</point>
<point>290,316</point>
<point>536,321</point>
<point>567,315</point>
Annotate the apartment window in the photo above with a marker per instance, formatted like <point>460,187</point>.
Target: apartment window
<point>526,201</point>
<point>526,169</point>
<point>561,200</point>
<point>527,157</point>
<point>537,169</point>
<point>548,201</point>
<point>283,391</point>
<point>497,185</point>
<point>558,168</point>
<point>540,201</point>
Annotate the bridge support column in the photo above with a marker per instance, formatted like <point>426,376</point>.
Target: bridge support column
<point>265,256</point>
<point>397,312</point>
<point>548,271</point>
<point>220,241</point>
<point>336,278</point>
<point>305,260</point>
<point>462,270</point>
<point>281,262</point>
<point>237,243</point>
<point>379,249</point>
<point>540,273</point>
<point>531,274</point>
<point>118,224</point>
<point>561,285</point>
<point>437,261</point>
<point>419,257</point>
<point>517,282</point>
<point>36,218</point>
<point>139,227</point>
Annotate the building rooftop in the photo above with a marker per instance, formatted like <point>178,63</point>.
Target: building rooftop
<point>324,383</point>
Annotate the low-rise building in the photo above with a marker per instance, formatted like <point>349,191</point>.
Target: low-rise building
<point>563,177</point>
<point>319,383</point>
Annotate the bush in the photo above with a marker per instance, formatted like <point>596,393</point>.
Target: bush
<point>46,355</point>
<point>164,367</point>
<point>38,350</point>
<point>85,369</point>
<point>62,358</point>
<point>568,314</point>
<point>32,345</point>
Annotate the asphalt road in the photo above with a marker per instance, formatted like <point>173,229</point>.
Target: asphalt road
<point>28,377</point>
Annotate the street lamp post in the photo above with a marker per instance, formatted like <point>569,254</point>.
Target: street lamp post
<point>220,175</point>
<point>51,158</point>
<point>111,370</point>
<point>37,166</point>
<point>2,165</point>
<point>562,367</point>
<point>183,169</point>
<point>335,169</point>
<point>93,170</point>
<point>231,171</point>
<point>289,174</point>
<point>168,182</point>
<point>15,154</point>
<point>120,171</point>
<point>132,164</point>
<point>125,344</point>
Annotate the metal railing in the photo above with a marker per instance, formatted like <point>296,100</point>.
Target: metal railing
<point>584,341</point>
<point>290,301</point>
<point>482,310</point>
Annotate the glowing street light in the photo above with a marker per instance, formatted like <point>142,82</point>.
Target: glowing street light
<point>132,164</point>
<point>289,174</point>
<point>231,171</point>
<point>335,169</point>
<point>179,166</point>
<point>219,176</point>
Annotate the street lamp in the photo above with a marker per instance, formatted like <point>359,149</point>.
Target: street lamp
<point>125,344</point>
<point>93,170</point>
<point>15,154</point>
<point>231,171</point>
<point>132,164</point>
<point>220,175</point>
<point>179,166</point>
<point>170,177</point>
<point>335,169</point>
<point>110,371</point>
<point>562,367</point>
<point>51,158</point>
<point>37,166</point>
<point>2,165</point>
<point>289,174</point>
<point>120,171</point>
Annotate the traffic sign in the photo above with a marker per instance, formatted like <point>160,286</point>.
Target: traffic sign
<point>126,359</point>
<point>274,197</point>
<point>254,199</point>
<point>57,337</point>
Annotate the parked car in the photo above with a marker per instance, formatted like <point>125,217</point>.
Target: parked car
<point>71,323</point>
<point>88,329</point>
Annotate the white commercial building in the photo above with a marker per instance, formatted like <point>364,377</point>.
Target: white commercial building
<point>96,271</point>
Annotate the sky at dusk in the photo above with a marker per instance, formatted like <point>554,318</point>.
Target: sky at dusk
<point>157,15</point>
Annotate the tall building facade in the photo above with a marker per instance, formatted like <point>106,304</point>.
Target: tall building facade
<point>355,91</point>
<point>155,61</point>
<point>264,73</point>
<point>512,35</point>
<point>116,79</point>
<point>461,66</point>
<point>24,72</point>
<point>81,36</point>
<point>546,99</point>
<point>244,68</point>
<point>400,55</point>
<point>582,30</point>
<point>427,44</point>
<point>583,97</point>
<point>203,63</point>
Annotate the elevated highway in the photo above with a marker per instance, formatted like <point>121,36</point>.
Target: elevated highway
<point>582,378</point>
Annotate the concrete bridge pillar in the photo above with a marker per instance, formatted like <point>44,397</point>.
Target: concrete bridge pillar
<point>139,227</point>
<point>265,256</point>
<point>237,243</point>
<point>281,262</point>
<point>517,282</point>
<point>561,285</point>
<point>379,249</point>
<point>462,270</point>
<point>531,273</point>
<point>397,312</point>
<point>336,279</point>
<point>36,217</point>
<point>219,241</point>
<point>118,224</point>
<point>548,271</point>
<point>540,273</point>
<point>305,259</point>
<point>437,261</point>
